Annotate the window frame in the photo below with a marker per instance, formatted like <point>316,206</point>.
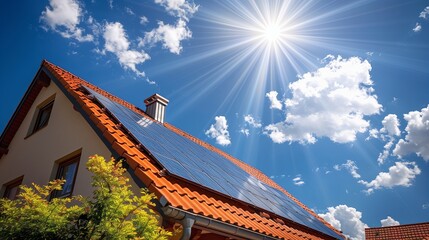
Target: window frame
<point>15,183</point>
<point>41,110</point>
<point>60,174</point>
<point>48,102</point>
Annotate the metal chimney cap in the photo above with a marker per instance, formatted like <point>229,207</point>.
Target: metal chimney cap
<point>156,98</point>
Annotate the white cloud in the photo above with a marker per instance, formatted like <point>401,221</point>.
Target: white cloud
<point>117,43</point>
<point>424,14</point>
<point>330,102</point>
<point>275,103</point>
<point>95,27</point>
<point>170,36</point>
<point>129,11</point>
<point>245,131</point>
<point>179,8</point>
<point>150,81</point>
<point>252,122</point>
<point>278,176</point>
<point>219,131</point>
<point>373,133</point>
<point>346,219</point>
<point>115,37</point>
<point>425,206</point>
<point>328,58</point>
<point>389,222</point>
<point>143,20</point>
<point>63,16</point>
<point>388,132</point>
<point>417,28</point>
<point>417,138</point>
<point>386,152</point>
<point>298,181</point>
<point>350,166</point>
<point>391,125</point>
<point>276,134</point>
<point>401,174</point>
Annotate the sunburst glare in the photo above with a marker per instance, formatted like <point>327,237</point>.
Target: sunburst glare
<point>269,27</point>
<point>271,33</point>
<point>271,42</point>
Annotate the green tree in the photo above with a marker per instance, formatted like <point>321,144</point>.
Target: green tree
<point>114,211</point>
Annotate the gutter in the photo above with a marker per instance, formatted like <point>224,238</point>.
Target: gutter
<point>188,219</point>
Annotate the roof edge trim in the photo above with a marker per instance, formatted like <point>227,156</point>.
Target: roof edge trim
<point>39,81</point>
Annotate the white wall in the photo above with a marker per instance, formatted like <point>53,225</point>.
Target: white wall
<point>67,132</point>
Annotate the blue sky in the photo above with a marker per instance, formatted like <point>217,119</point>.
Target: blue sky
<point>328,98</point>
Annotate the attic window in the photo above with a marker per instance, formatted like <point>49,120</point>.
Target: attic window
<point>43,117</point>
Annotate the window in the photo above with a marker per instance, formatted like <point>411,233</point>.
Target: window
<point>12,188</point>
<point>67,170</point>
<point>43,117</point>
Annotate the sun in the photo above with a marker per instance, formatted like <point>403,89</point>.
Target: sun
<point>270,29</point>
<point>272,32</point>
<point>266,40</point>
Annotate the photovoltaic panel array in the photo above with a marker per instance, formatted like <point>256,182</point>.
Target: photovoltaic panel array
<point>190,161</point>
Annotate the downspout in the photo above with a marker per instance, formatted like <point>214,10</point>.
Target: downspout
<point>186,221</point>
<point>189,219</point>
<point>187,224</point>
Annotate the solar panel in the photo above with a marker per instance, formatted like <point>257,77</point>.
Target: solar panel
<point>190,161</point>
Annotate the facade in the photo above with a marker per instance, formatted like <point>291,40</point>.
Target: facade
<point>417,231</point>
<point>62,120</point>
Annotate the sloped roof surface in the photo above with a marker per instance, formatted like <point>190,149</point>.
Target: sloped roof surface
<point>418,231</point>
<point>178,192</point>
<point>190,161</point>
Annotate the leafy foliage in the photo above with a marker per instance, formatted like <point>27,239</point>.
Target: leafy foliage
<point>114,211</point>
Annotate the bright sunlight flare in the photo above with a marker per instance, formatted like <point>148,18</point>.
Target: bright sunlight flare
<point>272,33</point>
<point>265,41</point>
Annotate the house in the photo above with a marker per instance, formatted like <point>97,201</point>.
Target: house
<point>416,231</point>
<point>62,120</point>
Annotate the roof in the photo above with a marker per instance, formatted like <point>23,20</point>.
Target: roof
<point>417,231</point>
<point>177,192</point>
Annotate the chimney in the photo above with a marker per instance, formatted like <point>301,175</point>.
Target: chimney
<point>155,107</point>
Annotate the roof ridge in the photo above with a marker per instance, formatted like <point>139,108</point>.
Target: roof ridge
<point>401,225</point>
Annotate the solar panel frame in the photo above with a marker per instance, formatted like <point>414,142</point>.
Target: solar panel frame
<point>183,158</point>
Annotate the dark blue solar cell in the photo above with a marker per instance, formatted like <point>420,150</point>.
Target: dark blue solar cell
<point>229,188</point>
<point>261,201</point>
<point>237,192</point>
<point>205,179</point>
<point>190,161</point>
<point>176,168</point>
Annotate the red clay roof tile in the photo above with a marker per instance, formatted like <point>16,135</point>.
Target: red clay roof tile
<point>417,231</point>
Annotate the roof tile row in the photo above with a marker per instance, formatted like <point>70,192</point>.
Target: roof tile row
<point>418,231</point>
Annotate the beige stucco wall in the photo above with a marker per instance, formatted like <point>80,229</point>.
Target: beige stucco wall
<point>35,156</point>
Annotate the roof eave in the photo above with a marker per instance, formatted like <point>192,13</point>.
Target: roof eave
<point>224,228</point>
<point>40,80</point>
